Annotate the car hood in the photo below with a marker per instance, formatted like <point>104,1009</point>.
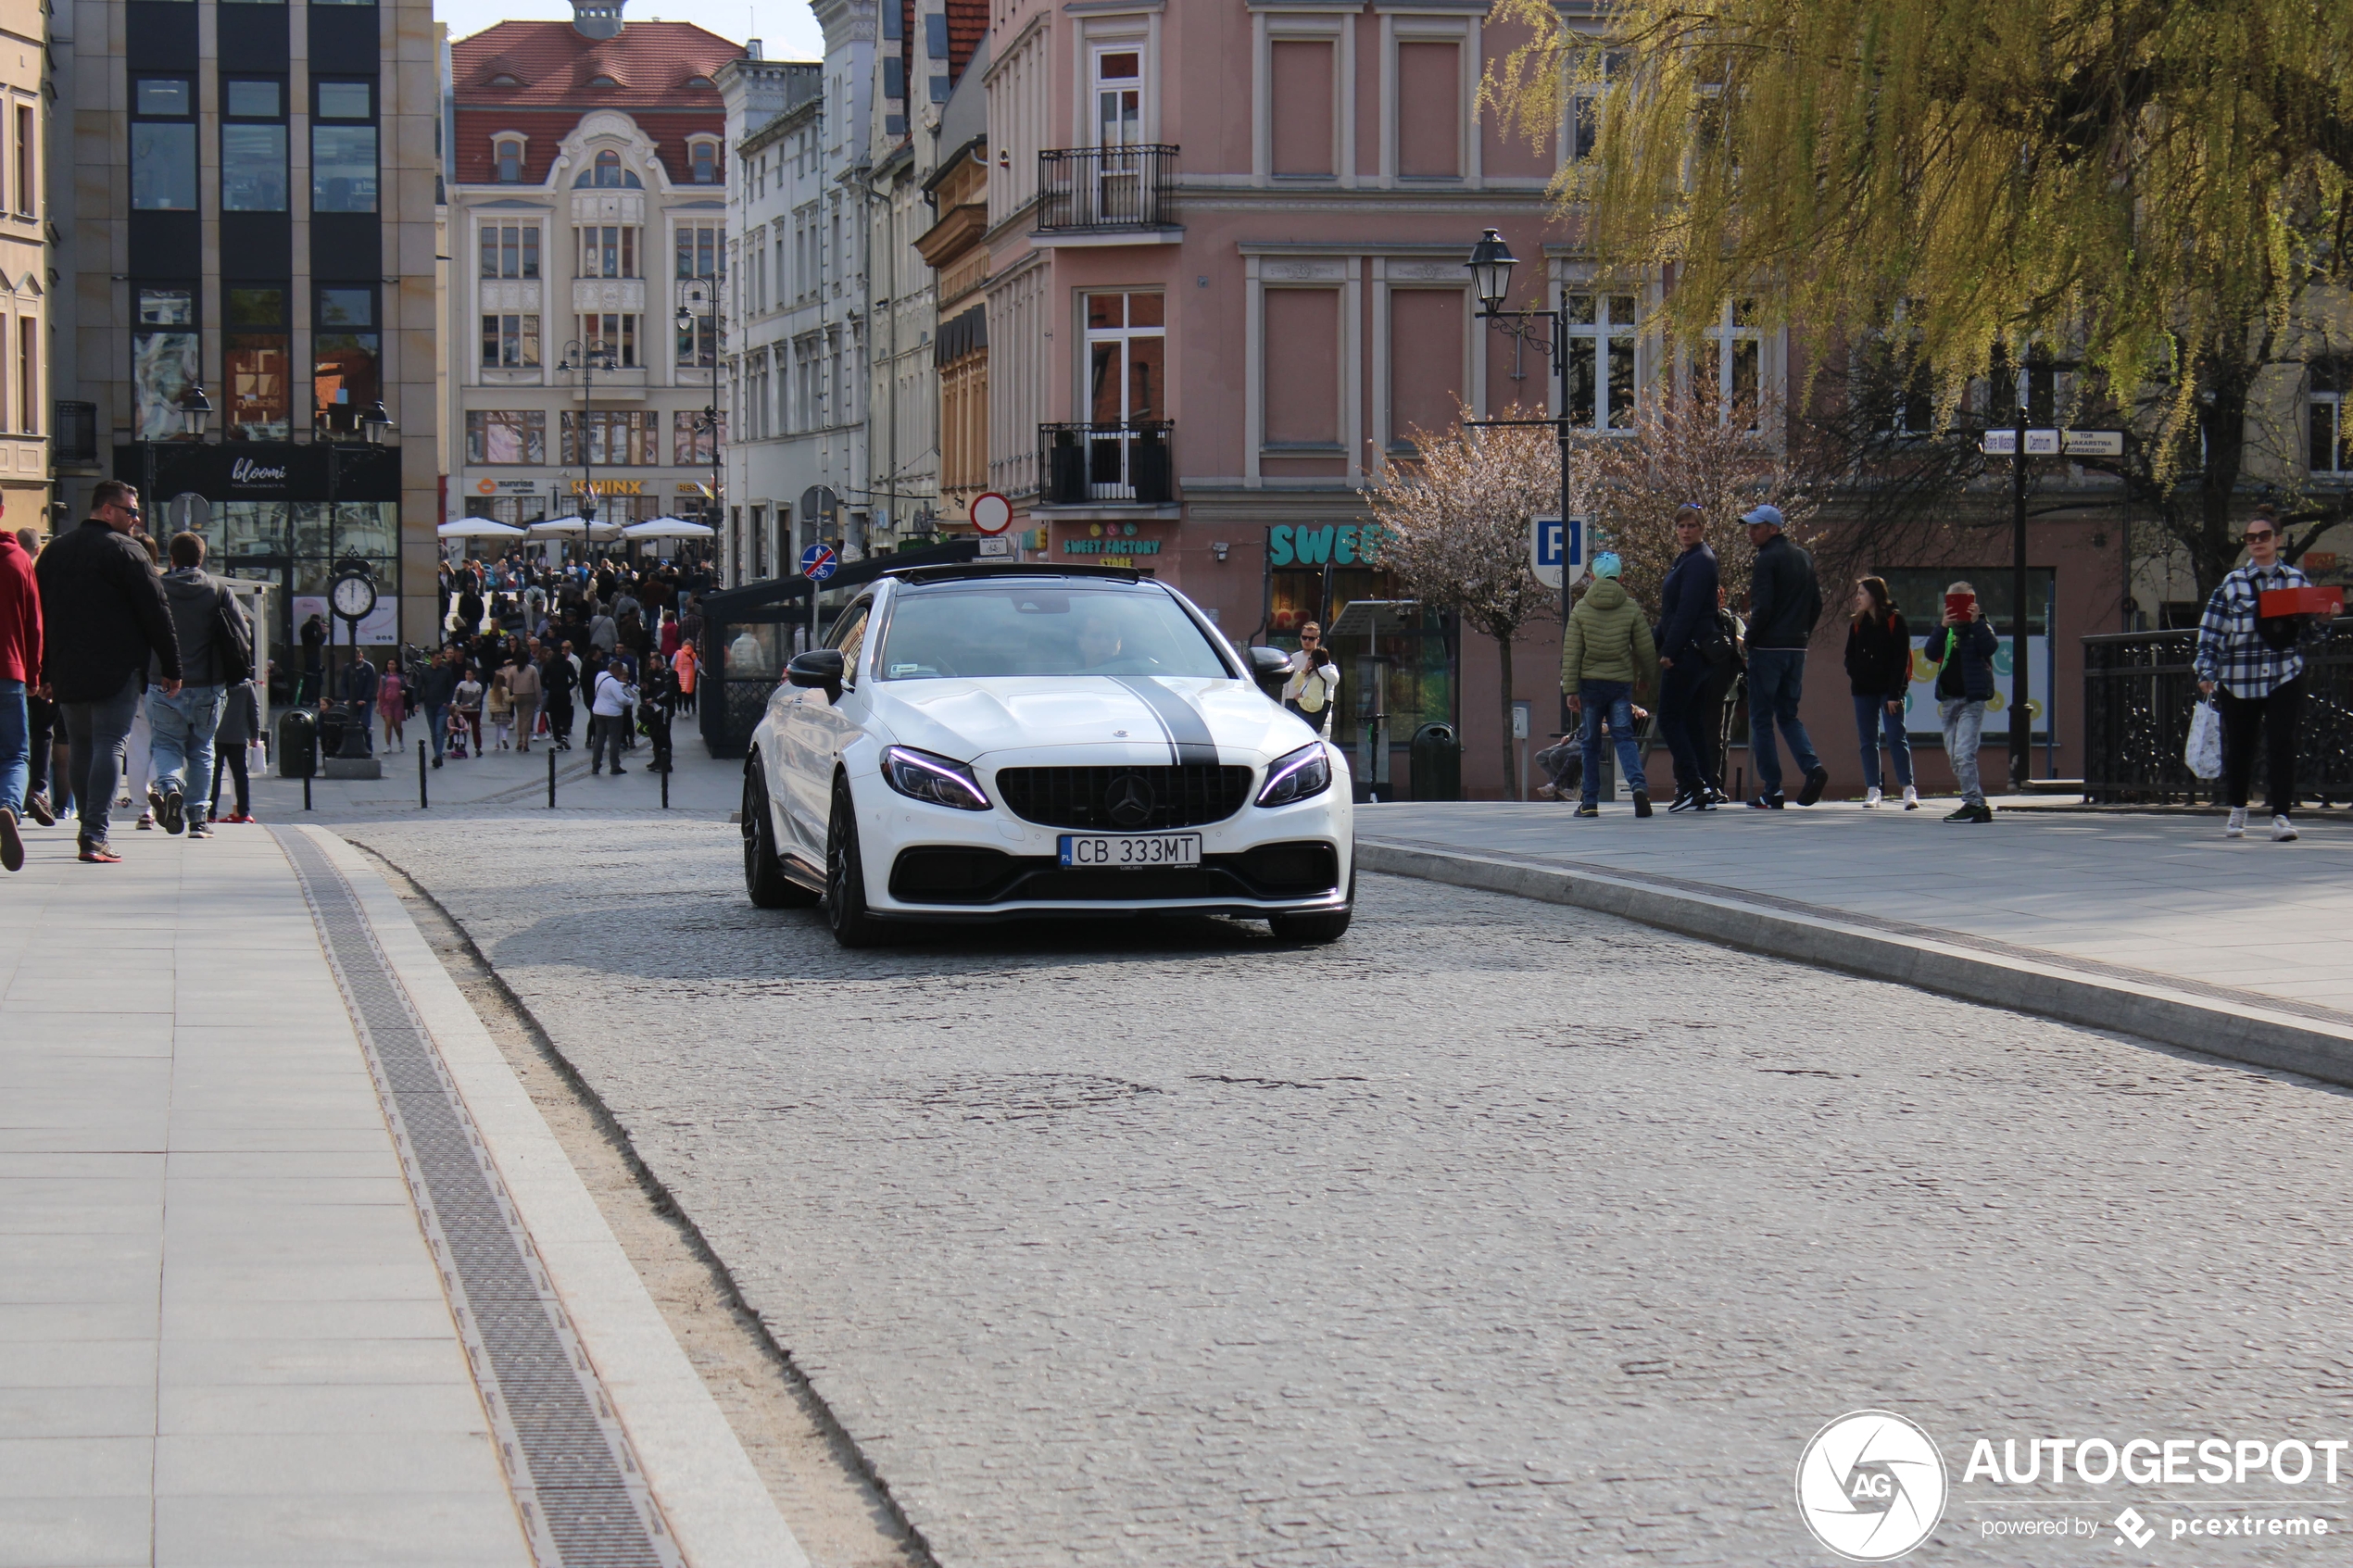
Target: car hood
<point>1166,720</point>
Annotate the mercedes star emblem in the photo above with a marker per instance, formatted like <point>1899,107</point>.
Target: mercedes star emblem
<point>1130,801</point>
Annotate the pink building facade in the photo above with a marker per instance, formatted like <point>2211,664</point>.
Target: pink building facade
<point>1227,243</point>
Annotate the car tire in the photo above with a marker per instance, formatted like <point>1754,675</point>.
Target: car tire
<point>1317,927</point>
<point>846,878</point>
<point>764,879</point>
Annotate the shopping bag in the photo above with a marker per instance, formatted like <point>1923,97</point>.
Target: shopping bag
<point>2204,752</point>
<point>257,758</point>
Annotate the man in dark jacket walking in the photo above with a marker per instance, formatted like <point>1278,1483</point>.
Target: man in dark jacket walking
<point>1785,601</point>
<point>20,674</point>
<point>103,610</point>
<point>434,695</point>
<point>1963,651</point>
<point>1687,644</point>
<point>183,722</point>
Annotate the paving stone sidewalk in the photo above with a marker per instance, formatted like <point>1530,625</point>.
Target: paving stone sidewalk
<point>222,1337</point>
<point>2163,893</point>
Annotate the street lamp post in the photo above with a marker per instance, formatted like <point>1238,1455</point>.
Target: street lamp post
<point>590,359</point>
<point>1490,266</point>
<point>693,292</point>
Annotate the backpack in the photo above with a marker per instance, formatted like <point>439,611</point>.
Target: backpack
<point>232,642</point>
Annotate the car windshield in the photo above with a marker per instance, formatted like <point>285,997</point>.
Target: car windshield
<point>1042,627</point>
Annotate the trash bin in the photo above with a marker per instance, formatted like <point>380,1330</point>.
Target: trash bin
<point>297,743</point>
<point>1437,758</point>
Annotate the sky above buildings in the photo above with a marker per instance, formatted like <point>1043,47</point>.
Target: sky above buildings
<point>786,28</point>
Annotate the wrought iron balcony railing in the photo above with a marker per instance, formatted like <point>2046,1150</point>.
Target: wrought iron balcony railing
<point>1082,189</point>
<point>1118,464</point>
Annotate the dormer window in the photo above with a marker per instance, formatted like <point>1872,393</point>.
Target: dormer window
<point>702,154</point>
<point>601,80</point>
<point>504,80</point>
<point>508,152</point>
<point>702,82</point>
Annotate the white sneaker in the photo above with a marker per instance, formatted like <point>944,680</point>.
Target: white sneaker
<point>2283,831</point>
<point>1546,792</point>
<point>2237,828</point>
<point>1871,797</point>
<point>1911,798</point>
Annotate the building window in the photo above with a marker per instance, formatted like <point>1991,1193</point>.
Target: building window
<point>163,144</point>
<point>1601,360</point>
<point>163,360</point>
<point>1119,97</point>
<point>704,156</point>
<point>1126,357</point>
<point>608,169</point>
<point>608,251</point>
<point>28,375</point>
<point>699,251</point>
<point>509,153</point>
<point>345,354</point>
<point>343,156</point>
<point>257,362</point>
<point>2332,435</point>
<point>613,335</point>
<point>27,160</point>
<point>1737,345</point>
<point>511,342</point>
<point>699,342</point>
<point>616,438</point>
<point>253,146</point>
<point>511,436</point>
<point>694,444</point>
<point>511,250</point>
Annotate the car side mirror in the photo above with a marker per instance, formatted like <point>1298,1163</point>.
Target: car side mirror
<point>1270,667</point>
<point>818,667</point>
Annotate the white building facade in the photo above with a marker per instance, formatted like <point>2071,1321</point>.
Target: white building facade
<point>794,306</point>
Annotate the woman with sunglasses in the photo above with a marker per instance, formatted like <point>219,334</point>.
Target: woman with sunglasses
<point>1314,681</point>
<point>2253,666</point>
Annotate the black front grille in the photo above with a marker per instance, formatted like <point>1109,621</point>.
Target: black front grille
<point>1123,800</point>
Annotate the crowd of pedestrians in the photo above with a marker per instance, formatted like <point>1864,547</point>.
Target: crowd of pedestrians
<point>1696,656</point>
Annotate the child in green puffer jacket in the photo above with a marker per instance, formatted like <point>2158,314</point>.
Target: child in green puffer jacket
<point>1607,658</point>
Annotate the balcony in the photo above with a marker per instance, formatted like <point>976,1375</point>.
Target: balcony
<point>1107,195</point>
<point>1119,464</point>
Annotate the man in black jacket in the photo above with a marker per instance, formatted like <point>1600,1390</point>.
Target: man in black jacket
<point>440,683</point>
<point>106,616</point>
<point>1785,601</point>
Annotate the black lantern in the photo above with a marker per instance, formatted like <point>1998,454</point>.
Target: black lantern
<point>195,410</point>
<point>1490,266</point>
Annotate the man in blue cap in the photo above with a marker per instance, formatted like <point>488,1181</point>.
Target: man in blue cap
<point>1785,602</point>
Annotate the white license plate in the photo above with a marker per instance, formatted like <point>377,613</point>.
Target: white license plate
<point>1131,850</point>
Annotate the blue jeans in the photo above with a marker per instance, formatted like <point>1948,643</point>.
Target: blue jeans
<point>15,745</point>
<point>182,725</point>
<point>1612,701</point>
<point>94,737</point>
<point>1776,682</point>
<point>1870,717</point>
<point>1678,697</point>
<point>1964,724</point>
<point>437,724</point>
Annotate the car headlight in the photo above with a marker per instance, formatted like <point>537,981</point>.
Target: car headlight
<point>1295,777</point>
<point>940,781</point>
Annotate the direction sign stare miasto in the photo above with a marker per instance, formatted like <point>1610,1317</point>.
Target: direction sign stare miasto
<point>1556,550</point>
<point>818,562</point>
<point>2055,444</point>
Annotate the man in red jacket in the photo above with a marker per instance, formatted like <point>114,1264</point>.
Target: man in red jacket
<point>20,671</point>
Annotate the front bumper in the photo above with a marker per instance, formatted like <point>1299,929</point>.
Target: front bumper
<point>927,862</point>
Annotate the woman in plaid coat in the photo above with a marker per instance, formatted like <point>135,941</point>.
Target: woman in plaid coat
<point>2256,667</point>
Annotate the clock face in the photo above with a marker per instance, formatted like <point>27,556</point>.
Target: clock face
<point>354,597</point>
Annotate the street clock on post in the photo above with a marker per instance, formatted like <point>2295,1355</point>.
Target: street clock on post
<point>354,593</point>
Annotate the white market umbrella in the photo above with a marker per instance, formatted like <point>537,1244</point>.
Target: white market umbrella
<point>668,528</point>
<point>478,528</point>
<point>559,527</point>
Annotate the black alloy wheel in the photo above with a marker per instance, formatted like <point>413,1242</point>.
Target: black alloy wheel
<point>846,877</point>
<point>764,879</point>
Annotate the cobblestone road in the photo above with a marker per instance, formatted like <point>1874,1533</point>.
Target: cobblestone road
<point>1500,1233</point>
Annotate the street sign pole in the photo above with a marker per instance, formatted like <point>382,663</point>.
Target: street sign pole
<point>2021,726</point>
<point>817,563</point>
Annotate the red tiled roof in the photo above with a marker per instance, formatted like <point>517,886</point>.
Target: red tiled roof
<point>475,162</point>
<point>651,65</point>
<point>967,21</point>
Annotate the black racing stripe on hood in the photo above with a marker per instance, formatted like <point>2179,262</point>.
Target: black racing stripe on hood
<point>1190,741</point>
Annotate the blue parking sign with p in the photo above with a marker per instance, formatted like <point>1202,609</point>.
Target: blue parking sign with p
<point>1556,549</point>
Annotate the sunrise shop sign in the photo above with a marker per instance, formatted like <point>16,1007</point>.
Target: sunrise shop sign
<point>1344,544</point>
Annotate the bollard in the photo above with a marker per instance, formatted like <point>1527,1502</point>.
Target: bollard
<point>306,792</point>
<point>666,789</point>
<point>421,769</point>
<point>552,781</point>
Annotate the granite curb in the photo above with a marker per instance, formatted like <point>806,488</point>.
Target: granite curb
<point>2240,1026</point>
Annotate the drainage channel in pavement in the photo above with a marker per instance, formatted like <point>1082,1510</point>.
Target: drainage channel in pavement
<point>582,1496</point>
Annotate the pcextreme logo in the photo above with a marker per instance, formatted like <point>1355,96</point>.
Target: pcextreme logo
<point>1870,1486</point>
